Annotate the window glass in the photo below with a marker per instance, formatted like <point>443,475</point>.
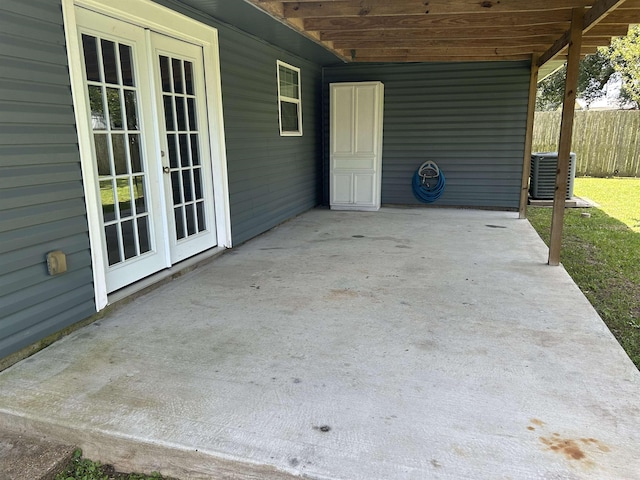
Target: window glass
<point>289,100</point>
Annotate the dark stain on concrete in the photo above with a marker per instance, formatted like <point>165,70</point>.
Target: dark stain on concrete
<point>565,446</point>
<point>575,449</point>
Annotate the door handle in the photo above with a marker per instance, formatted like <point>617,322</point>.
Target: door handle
<point>166,169</point>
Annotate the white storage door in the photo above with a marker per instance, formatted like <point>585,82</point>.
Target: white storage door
<point>356,145</point>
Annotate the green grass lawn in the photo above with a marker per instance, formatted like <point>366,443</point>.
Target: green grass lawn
<point>602,253</point>
<point>617,197</point>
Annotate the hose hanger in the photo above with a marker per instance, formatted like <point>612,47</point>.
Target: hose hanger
<point>428,182</point>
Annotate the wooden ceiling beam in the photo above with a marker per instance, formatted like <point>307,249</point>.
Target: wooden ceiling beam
<point>443,33</point>
<point>560,17</point>
<point>465,44</point>
<point>591,18</point>
<point>596,41</point>
<point>622,17</point>
<point>370,8</point>
<point>474,33</point>
<point>607,31</point>
<point>446,42</point>
<point>496,53</point>
<point>442,58</point>
<point>447,58</point>
<point>440,51</point>
<point>469,49</point>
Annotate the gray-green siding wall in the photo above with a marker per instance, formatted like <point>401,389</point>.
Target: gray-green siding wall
<point>469,118</point>
<point>41,197</point>
<point>271,178</point>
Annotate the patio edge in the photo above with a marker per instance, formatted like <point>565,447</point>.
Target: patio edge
<point>138,455</point>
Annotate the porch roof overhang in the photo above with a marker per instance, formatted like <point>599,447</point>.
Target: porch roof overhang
<point>453,30</point>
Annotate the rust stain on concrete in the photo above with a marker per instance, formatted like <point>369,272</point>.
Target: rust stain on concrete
<point>566,446</point>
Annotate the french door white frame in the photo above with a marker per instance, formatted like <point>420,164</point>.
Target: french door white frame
<point>148,15</point>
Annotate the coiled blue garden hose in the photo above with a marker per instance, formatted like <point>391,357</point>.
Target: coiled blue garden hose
<point>428,182</point>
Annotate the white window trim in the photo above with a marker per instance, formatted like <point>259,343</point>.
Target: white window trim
<point>168,22</point>
<point>297,101</point>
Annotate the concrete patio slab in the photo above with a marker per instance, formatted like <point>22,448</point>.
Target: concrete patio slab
<point>400,344</point>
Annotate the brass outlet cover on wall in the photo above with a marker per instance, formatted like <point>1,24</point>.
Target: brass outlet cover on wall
<point>56,262</point>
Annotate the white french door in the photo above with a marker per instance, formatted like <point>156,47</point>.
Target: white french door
<point>185,146</point>
<point>150,146</point>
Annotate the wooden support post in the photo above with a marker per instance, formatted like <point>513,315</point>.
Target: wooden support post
<point>528,139</point>
<point>566,132</point>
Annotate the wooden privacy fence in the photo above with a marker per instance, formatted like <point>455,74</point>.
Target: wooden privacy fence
<point>606,142</point>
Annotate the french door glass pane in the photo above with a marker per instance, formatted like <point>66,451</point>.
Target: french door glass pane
<point>173,151</point>
<point>183,144</point>
<point>92,68</point>
<point>120,157</point>
<point>190,217</point>
<point>195,159</point>
<point>165,75</point>
<point>113,243</point>
<point>114,103</point>
<point>123,190</point>
<point>107,195</point>
<point>125,63</point>
<point>168,112</point>
<point>96,102</point>
<point>130,241</point>
<point>179,219</point>
<point>143,234</point>
<point>139,194</point>
<point>134,152</point>
<point>122,178</point>
<point>132,113</point>
<point>188,77</point>
<point>191,107</point>
<point>109,61</point>
<point>103,158</point>
<point>184,149</point>
<point>180,114</point>
<point>176,66</point>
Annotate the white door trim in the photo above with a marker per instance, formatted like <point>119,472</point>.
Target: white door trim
<point>155,17</point>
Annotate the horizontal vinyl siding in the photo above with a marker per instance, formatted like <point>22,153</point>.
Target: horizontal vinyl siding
<point>469,118</point>
<point>271,178</point>
<point>41,197</point>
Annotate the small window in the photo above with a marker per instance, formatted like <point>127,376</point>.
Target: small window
<point>289,100</point>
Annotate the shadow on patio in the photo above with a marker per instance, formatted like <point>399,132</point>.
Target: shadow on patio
<point>401,344</point>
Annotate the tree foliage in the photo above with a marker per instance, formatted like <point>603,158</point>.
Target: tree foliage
<point>621,58</point>
<point>625,58</point>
